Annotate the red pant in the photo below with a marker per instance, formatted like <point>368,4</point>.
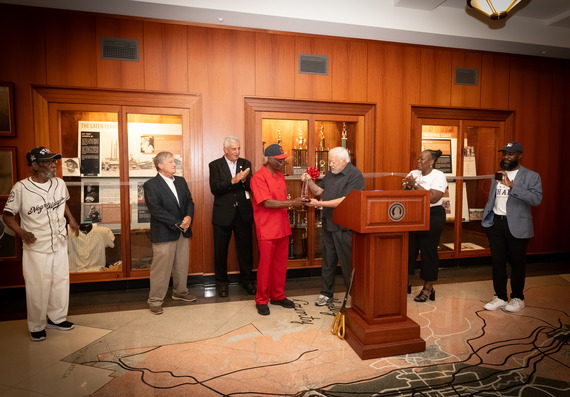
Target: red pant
<point>272,270</point>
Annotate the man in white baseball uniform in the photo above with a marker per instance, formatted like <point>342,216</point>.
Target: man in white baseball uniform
<point>41,202</point>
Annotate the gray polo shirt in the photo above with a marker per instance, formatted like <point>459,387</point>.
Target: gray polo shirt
<point>336,186</point>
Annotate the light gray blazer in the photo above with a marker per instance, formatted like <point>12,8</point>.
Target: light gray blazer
<point>526,192</point>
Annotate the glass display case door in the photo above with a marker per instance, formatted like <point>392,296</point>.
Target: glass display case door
<point>107,156</point>
<point>149,132</point>
<point>90,144</point>
<point>307,139</point>
<point>469,160</point>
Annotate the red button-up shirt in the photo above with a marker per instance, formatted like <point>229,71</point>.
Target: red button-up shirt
<point>270,223</point>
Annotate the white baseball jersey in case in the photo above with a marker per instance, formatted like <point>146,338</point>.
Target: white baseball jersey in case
<point>87,251</point>
<point>42,212</point>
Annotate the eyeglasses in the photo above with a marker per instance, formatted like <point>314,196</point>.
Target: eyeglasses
<point>47,162</point>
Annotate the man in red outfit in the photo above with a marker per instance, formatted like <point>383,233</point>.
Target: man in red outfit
<point>272,226</point>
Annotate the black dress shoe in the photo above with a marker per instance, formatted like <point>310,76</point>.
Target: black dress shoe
<point>223,291</point>
<point>286,303</point>
<point>249,288</point>
<point>262,309</point>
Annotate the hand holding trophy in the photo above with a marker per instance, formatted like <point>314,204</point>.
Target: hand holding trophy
<point>311,175</point>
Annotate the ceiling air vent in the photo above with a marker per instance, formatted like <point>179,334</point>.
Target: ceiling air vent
<point>119,49</point>
<point>466,76</point>
<point>314,64</point>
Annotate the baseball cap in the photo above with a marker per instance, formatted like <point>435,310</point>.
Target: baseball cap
<point>41,153</point>
<point>276,151</point>
<point>512,147</point>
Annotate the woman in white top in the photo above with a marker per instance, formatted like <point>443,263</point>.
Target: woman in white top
<point>426,177</point>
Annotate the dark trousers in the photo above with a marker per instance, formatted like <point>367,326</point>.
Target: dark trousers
<point>426,242</point>
<point>222,236</point>
<point>505,248</point>
<point>337,249</point>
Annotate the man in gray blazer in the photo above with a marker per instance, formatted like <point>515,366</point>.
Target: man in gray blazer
<point>508,219</point>
<point>171,211</point>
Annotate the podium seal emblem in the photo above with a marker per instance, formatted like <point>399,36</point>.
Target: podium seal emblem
<point>396,211</point>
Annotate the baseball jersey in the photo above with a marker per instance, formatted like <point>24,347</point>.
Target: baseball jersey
<point>42,211</point>
<point>87,251</point>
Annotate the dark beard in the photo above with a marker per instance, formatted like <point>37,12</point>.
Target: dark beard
<point>509,167</point>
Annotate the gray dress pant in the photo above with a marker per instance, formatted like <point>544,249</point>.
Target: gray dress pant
<point>337,249</point>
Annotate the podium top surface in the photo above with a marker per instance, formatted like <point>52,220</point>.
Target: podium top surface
<point>384,211</point>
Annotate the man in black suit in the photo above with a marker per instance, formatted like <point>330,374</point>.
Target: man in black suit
<point>171,211</point>
<point>229,183</point>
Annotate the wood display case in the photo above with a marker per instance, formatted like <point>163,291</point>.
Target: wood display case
<point>108,141</point>
<point>469,140</point>
<point>307,131</point>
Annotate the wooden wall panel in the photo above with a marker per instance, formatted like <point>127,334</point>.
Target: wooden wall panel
<point>275,65</point>
<point>555,223</point>
<point>348,68</point>
<point>23,63</point>
<point>555,191</point>
<point>465,95</point>
<point>436,77</point>
<point>494,80</point>
<point>120,74</point>
<point>71,53</point>
<point>401,88</point>
<point>223,65</point>
<point>166,57</point>
<point>531,96</point>
<point>311,85</point>
<point>375,94</point>
<point>222,71</point>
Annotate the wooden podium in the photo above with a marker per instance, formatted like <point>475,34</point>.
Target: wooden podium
<point>377,324</point>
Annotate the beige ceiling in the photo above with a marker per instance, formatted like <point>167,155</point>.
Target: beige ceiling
<point>534,27</point>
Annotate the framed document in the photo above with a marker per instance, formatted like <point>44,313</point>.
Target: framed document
<point>7,109</point>
<point>7,170</point>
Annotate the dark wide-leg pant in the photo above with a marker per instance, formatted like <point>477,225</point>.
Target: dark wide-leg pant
<point>337,249</point>
<point>426,242</point>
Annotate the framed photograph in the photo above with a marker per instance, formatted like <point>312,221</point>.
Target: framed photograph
<point>8,175</point>
<point>7,109</point>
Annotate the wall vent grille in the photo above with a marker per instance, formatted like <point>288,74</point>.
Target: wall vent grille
<point>466,76</point>
<point>119,49</point>
<point>314,64</point>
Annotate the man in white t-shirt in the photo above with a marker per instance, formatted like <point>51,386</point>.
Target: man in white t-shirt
<point>508,219</point>
<point>41,202</point>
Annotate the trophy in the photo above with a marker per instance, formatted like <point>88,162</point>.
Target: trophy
<point>314,174</point>
<point>344,135</point>
<point>305,190</point>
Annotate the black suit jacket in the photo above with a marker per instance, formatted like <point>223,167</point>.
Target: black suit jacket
<point>227,195</point>
<point>165,213</point>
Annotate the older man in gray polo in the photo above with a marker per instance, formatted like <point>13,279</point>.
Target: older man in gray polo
<point>342,178</point>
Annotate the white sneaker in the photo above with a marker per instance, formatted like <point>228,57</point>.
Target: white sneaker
<point>495,303</point>
<point>322,300</point>
<point>515,305</point>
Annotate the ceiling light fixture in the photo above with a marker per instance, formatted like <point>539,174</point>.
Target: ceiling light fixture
<point>496,9</point>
